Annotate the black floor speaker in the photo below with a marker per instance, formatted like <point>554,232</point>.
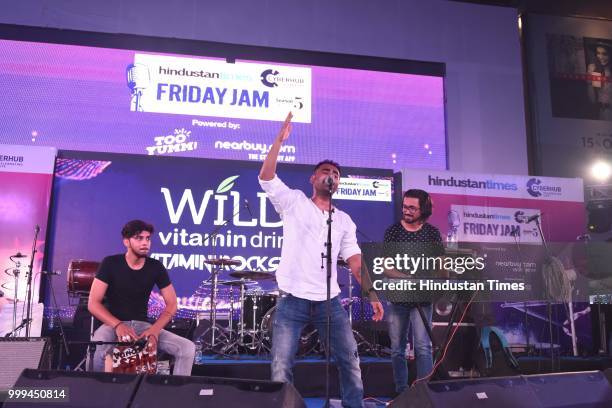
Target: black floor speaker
<point>84,389</point>
<point>168,391</point>
<point>581,389</point>
<point>506,392</point>
<point>576,390</point>
<point>17,353</point>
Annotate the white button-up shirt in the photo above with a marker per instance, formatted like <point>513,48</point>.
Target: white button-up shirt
<point>304,236</point>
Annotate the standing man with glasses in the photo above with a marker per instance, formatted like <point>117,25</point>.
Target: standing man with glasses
<point>412,236</point>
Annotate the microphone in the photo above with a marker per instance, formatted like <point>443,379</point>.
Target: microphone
<point>246,205</point>
<point>329,180</point>
<point>37,228</point>
<point>453,220</point>
<point>532,218</point>
<point>138,78</point>
<point>519,217</point>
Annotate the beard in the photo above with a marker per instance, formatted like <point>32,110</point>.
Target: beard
<point>138,252</point>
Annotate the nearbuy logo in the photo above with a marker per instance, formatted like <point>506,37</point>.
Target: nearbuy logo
<point>535,188</point>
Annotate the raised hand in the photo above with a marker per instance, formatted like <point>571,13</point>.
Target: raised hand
<point>283,134</point>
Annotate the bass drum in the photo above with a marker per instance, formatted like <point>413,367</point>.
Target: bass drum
<point>309,339</point>
<point>80,276</point>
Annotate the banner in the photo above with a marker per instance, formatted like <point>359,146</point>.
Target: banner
<point>207,87</point>
<point>26,175</point>
<point>201,209</point>
<point>501,214</point>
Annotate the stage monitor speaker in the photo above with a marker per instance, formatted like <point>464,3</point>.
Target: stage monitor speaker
<point>17,353</point>
<point>608,374</point>
<point>581,389</point>
<point>168,391</point>
<point>85,389</point>
<point>510,392</point>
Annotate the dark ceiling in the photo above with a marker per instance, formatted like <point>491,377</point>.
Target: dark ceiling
<point>581,8</point>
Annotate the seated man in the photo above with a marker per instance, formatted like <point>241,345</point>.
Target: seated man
<point>127,280</point>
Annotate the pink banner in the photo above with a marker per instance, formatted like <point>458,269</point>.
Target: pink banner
<point>26,176</point>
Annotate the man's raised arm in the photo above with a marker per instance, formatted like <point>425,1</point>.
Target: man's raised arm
<point>268,168</point>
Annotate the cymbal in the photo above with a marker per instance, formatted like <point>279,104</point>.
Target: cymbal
<point>238,282</point>
<point>252,275</point>
<point>222,262</point>
<point>18,255</point>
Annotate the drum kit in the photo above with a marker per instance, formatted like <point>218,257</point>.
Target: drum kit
<point>249,324</point>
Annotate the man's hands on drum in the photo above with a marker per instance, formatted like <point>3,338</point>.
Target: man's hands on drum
<point>151,334</point>
<point>125,332</point>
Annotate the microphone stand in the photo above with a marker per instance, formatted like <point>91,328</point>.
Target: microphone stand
<point>524,273</point>
<point>28,317</point>
<point>548,301</point>
<point>59,322</point>
<point>328,259</point>
<point>214,275</point>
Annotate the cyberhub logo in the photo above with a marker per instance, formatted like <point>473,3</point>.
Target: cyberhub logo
<point>8,160</point>
<point>535,188</point>
<point>272,78</point>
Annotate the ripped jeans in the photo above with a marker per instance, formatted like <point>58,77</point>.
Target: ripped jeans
<point>291,315</point>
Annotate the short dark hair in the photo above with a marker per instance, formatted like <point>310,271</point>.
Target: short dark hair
<point>424,201</point>
<point>135,227</point>
<point>327,161</point>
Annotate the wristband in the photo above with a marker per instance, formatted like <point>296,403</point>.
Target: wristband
<point>117,325</point>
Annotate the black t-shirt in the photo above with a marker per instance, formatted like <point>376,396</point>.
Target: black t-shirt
<point>128,290</point>
<point>426,242</point>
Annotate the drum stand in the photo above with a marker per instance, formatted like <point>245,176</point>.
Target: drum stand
<point>88,359</point>
<point>255,342</point>
<point>216,333</point>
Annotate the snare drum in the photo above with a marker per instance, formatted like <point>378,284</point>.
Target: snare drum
<point>80,276</point>
<point>256,305</point>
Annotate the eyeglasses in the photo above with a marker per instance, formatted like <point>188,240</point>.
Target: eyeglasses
<point>411,208</point>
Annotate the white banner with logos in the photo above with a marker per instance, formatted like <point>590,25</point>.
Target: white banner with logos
<point>495,224</point>
<point>27,159</point>
<point>209,87</point>
<point>495,185</point>
<point>364,189</point>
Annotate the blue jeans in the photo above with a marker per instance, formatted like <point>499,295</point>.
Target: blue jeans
<point>398,317</point>
<point>182,349</point>
<point>291,315</point>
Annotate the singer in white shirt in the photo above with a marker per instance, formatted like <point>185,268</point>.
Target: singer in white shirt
<point>301,278</point>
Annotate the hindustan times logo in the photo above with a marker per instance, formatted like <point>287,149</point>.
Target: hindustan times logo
<point>184,72</point>
<point>471,183</point>
<point>535,188</point>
